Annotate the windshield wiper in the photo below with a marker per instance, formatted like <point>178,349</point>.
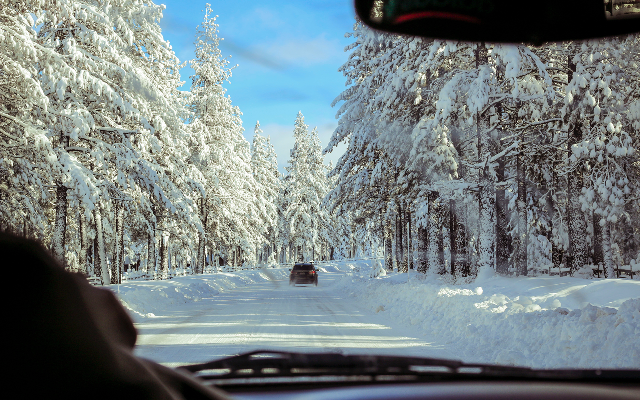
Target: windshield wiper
<point>265,366</point>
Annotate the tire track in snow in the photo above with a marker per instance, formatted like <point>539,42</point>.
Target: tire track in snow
<point>273,315</point>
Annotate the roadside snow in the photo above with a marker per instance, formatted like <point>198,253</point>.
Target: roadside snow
<point>538,322</point>
<point>148,299</point>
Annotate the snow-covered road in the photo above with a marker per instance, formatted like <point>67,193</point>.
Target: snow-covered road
<point>540,322</point>
<point>270,314</point>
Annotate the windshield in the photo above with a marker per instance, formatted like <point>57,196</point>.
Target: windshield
<point>303,267</point>
<point>467,201</point>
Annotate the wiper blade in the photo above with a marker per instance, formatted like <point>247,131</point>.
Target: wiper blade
<point>265,364</point>
<point>268,363</point>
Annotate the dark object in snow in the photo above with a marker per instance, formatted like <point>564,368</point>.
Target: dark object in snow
<point>303,273</point>
<point>72,340</point>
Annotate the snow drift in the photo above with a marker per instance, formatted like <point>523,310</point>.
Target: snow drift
<point>536,322</point>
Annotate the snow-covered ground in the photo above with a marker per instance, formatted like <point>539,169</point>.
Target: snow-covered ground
<point>539,322</point>
<point>549,322</point>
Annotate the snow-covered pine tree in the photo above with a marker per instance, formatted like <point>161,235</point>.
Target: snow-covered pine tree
<point>264,166</point>
<point>600,113</point>
<point>27,158</point>
<point>305,190</point>
<point>316,191</point>
<point>298,211</point>
<point>117,113</point>
<point>366,173</point>
<point>223,154</point>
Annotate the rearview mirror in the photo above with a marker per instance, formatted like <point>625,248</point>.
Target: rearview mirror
<point>534,21</point>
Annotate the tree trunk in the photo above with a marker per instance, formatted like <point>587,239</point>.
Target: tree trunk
<point>462,241</point>
<point>486,236</point>
<point>95,258</point>
<point>235,261</point>
<point>164,255</point>
<point>503,238</point>
<point>103,270</point>
<point>394,249</point>
<point>423,236</point>
<point>117,266</point>
<point>93,255</point>
<point>433,228</point>
<point>151,252</point>
<point>607,251</point>
<point>487,196</point>
<point>556,248</point>
<point>401,239</point>
<point>630,241</point>
<point>453,236</point>
<point>388,247</point>
<point>161,264</point>
<point>173,258</point>
<point>200,263</point>
<point>84,245</point>
<point>521,206</point>
<point>444,239</point>
<point>409,241</point>
<point>598,255</point>
<point>62,204</point>
<point>576,226</point>
<point>60,226</point>
<point>460,245</point>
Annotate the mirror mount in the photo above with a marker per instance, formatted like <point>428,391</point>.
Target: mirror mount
<point>506,21</point>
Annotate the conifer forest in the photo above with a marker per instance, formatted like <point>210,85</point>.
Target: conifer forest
<point>460,156</point>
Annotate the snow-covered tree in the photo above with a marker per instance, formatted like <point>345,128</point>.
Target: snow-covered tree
<point>264,167</point>
<point>107,100</point>
<point>448,134</point>
<point>306,187</point>
<point>26,154</point>
<point>222,154</point>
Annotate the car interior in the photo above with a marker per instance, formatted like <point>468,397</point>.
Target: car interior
<point>68,365</point>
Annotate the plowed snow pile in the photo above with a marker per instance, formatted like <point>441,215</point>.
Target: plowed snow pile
<point>548,322</point>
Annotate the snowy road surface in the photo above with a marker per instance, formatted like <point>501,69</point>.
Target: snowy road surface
<point>273,315</point>
<point>539,322</point>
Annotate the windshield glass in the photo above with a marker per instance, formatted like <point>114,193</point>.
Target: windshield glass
<point>467,201</point>
<point>303,267</point>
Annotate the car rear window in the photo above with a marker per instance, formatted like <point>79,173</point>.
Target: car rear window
<point>303,267</point>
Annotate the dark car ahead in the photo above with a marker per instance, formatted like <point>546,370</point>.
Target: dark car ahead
<point>303,273</point>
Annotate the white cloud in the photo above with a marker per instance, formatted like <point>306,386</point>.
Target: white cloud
<point>301,51</point>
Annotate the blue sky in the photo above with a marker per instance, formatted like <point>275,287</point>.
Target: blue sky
<point>288,54</point>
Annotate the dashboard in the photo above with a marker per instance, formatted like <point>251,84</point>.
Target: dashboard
<point>458,390</point>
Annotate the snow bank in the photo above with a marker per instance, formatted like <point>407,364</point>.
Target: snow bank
<point>537,322</point>
<point>151,298</point>
<point>356,266</point>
